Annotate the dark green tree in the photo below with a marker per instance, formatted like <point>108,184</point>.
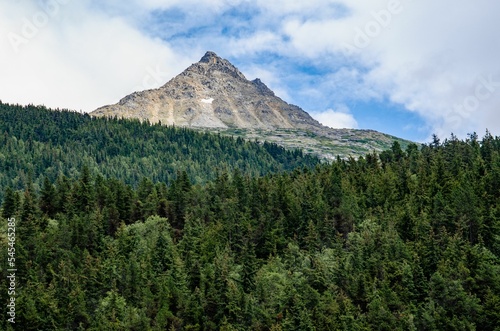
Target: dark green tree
<point>10,203</point>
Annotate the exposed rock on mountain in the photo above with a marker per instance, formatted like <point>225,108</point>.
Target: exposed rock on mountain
<point>212,94</point>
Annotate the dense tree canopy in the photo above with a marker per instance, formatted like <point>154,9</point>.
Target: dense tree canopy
<point>404,240</point>
<point>36,142</point>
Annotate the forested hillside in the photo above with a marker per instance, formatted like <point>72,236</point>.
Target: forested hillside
<point>404,240</point>
<point>37,142</point>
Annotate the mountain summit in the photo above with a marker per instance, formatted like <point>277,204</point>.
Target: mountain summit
<point>212,93</point>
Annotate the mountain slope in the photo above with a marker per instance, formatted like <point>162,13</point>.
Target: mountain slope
<point>213,95</point>
<point>36,142</point>
<point>408,243</point>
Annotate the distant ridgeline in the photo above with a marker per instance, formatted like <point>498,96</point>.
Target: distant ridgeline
<point>37,142</point>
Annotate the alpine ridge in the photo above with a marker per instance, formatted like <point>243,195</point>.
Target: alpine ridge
<point>212,93</point>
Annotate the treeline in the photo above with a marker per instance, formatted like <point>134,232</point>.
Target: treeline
<point>404,240</point>
<point>36,142</point>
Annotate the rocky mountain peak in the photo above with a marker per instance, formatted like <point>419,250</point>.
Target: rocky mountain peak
<point>211,57</point>
<point>212,93</point>
<point>211,66</point>
<point>262,88</point>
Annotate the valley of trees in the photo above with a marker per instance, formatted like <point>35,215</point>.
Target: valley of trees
<point>404,240</point>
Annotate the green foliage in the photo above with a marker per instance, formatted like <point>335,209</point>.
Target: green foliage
<point>36,142</point>
<point>405,241</point>
<point>10,203</point>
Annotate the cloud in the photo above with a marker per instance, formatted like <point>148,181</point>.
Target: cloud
<point>339,119</point>
<point>77,58</point>
<point>430,58</point>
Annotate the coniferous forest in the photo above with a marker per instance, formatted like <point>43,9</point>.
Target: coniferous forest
<point>122,225</point>
<point>36,142</point>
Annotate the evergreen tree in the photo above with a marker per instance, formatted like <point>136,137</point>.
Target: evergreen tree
<point>48,198</point>
<point>409,245</point>
<point>10,203</point>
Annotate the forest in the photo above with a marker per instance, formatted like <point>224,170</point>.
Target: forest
<point>401,240</point>
<point>36,142</point>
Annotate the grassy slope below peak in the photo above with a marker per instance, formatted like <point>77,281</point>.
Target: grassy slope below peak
<point>327,145</point>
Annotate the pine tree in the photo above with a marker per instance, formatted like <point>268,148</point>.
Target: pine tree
<point>48,198</point>
<point>83,192</point>
<point>10,203</point>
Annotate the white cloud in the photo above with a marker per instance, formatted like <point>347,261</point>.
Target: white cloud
<point>339,119</point>
<point>428,56</point>
<point>257,42</point>
<point>78,58</point>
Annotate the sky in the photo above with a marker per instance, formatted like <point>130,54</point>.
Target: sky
<point>404,67</point>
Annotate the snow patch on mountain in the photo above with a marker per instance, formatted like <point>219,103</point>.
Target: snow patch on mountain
<point>209,100</point>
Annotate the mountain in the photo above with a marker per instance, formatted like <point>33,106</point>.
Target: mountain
<point>214,95</point>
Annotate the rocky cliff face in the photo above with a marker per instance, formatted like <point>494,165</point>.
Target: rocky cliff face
<point>212,94</point>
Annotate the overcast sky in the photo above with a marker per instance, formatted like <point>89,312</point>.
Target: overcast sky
<point>408,68</point>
